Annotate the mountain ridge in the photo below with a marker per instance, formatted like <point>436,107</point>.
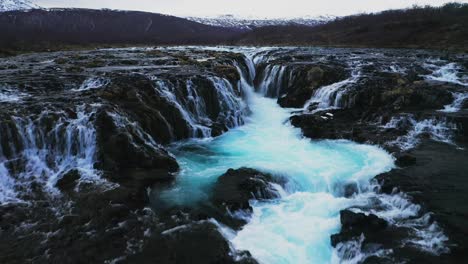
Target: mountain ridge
<point>250,23</point>
<point>12,5</point>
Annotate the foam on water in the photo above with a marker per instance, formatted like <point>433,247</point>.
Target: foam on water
<point>457,103</point>
<point>9,95</point>
<point>449,72</point>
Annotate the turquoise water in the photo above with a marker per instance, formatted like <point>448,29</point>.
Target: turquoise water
<point>297,227</point>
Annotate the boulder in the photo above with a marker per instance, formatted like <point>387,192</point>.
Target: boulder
<point>355,224</point>
<point>68,181</point>
<point>121,150</point>
<point>234,189</point>
<point>405,160</point>
<point>464,104</point>
<point>182,244</point>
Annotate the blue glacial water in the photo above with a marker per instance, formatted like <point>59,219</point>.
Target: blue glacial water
<point>297,227</point>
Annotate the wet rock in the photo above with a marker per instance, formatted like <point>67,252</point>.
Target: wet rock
<point>393,92</point>
<point>227,71</point>
<point>350,189</point>
<point>119,152</point>
<point>236,188</point>
<point>181,244</point>
<point>372,230</point>
<point>405,160</point>
<point>352,221</point>
<point>68,180</point>
<point>464,104</point>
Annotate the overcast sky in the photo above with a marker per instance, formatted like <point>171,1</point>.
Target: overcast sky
<point>254,8</point>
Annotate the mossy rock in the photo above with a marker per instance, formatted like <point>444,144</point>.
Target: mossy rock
<point>94,63</point>
<point>227,71</point>
<point>61,61</point>
<point>74,69</point>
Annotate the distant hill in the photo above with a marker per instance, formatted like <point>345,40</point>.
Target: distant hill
<point>44,28</point>
<point>426,27</point>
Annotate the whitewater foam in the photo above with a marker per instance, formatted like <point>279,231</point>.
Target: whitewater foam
<point>10,95</point>
<point>92,83</point>
<point>445,72</point>
<point>457,103</point>
<point>438,129</point>
<point>298,226</point>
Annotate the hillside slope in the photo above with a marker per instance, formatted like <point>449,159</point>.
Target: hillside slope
<point>26,29</point>
<point>428,27</point>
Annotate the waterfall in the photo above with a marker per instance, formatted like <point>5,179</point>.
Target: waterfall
<point>272,81</point>
<point>329,96</point>
<point>134,130</point>
<point>7,184</point>
<point>197,119</point>
<point>49,145</point>
<point>231,105</point>
<point>457,103</point>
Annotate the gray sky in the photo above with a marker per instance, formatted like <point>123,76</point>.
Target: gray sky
<point>255,8</point>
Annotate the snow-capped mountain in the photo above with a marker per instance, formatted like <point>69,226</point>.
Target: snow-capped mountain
<point>247,23</point>
<point>10,5</point>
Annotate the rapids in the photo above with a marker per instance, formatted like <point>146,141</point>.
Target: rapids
<point>295,228</point>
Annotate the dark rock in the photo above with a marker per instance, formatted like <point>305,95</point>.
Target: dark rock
<point>68,181</point>
<point>464,104</point>
<point>393,92</point>
<point>228,72</point>
<point>236,188</point>
<point>350,189</point>
<point>352,221</point>
<point>182,245</point>
<point>405,160</point>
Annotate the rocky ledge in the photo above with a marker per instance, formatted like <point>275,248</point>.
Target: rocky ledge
<point>83,134</point>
